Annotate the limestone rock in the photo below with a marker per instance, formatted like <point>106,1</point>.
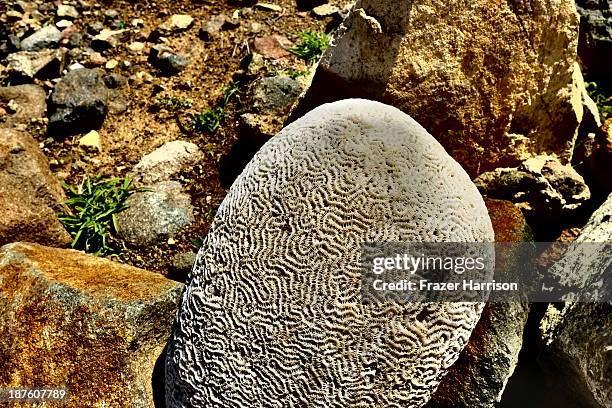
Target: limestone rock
<point>78,102</point>
<point>480,375</point>
<point>541,186</point>
<point>166,162</point>
<point>577,342</point>
<point>175,24</point>
<point>28,193</point>
<point>67,11</point>
<point>46,37</point>
<point>276,284</point>
<point>85,323</point>
<point>155,215</point>
<point>474,74</point>
<point>107,39</point>
<point>30,100</point>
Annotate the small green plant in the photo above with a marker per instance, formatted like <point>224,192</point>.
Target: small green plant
<point>209,120</point>
<point>121,25</point>
<point>175,103</point>
<point>91,217</point>
<point>311,46</point>
<point>602,98</point>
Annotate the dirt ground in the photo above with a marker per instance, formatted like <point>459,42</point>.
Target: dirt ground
<point>126,137</point>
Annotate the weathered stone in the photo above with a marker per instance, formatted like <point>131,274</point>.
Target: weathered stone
<point>272,99</point>
<point>40,64</point>
<point>91,140</point>
<point>211,28</point>
<point>28,193</point>
<point>593,159</point>
<point>67,11</point>
<point>46,37</point>
<point>480,375</point>
<point>595,45</point>
<point>577,352</point>
<point>166,162</point>
<point>30,100</point>
<point>325,10</point>
<point>276,283</point>
<point>78,102</point>
<point>272,46</point>
<point>182,263</point>
<point>75,321</point>
<point>154,216</point>
<point>540,186</point>
<point>176,23</point>
<point>168,62</point>
<point>585,266</point>
<point>474,74</point>
<point>107,39</point>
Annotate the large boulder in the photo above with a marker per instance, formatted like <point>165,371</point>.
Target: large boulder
<point>75,321</point>
<point>29,193</point>
<point>577,336</point>
<point>78,102</point>
<point>273,313</point>
<point>493,82</point>
<point>482,371</point>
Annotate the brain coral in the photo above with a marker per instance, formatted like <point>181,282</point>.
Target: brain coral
<point>272,314</point>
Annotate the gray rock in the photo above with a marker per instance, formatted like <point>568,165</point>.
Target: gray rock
<point>578,354</point>
<point>166,162</point>
<point>78,102</point>
<point>156,215</point>
<point>211,28</point>
<point>30,101</point>
<point>595,43</point>
<point>588,266</point>
<point>272,101</point>
<point>540,186</point>
<point>164,59</point>
<point>36,64</point>
<point>46,37</point>
<point>182,263</point>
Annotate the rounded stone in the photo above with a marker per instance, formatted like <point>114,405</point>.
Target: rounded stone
<point>272,315</point>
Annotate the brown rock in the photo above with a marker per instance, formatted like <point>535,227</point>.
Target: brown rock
<point>481,373</point>
<point>84,323</point>
<point>30,100</point>
<point>272,46</point>
<point>28,193</point>
<point>488,80</point>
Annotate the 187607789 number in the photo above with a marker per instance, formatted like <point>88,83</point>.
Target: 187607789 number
<point>33,394</point>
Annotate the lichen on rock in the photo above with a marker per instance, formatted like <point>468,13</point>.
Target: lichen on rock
<point>272,314</point>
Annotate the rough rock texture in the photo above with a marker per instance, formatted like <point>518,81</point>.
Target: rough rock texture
<point>493,82</point>
<point>587,266</point>
<point>28,193</point>
<point>481,373</point>
<point>31,64</point>
<point>154,216</point>
<point>72,320</point>
<point>541,186</point>
<point>577,347</point>
<point>594,160</point>
<point>273,316</point>
<point>168,62</point>
<point>30,101</point>
<point>272,99</point>
<point>166,162</point>
<point>46,37</point>
<point>78,102</point>
<point>595,46</point>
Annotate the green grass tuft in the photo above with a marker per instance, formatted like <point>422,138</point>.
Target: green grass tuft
<point>602,98</point>
<point>211,119</point>
<point>92,207</point>
<point>175,103</point>
<point>311,46</point>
